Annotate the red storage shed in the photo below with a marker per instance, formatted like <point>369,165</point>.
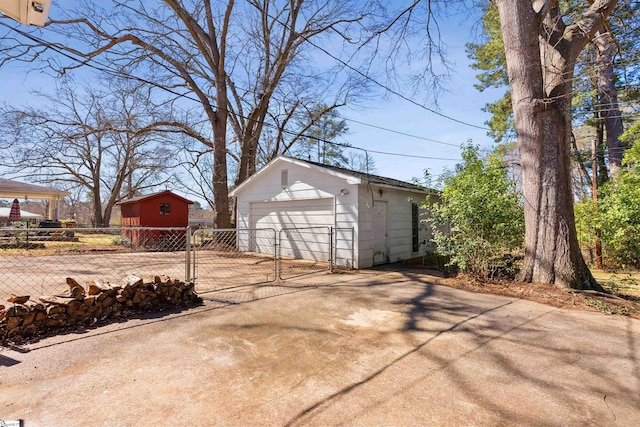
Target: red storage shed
<point>157,210</point>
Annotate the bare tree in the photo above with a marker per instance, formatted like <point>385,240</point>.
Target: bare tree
<point>541,50</point>
<point>240,62</point>
<point>199,166</point>
<point>274,64</point>
<point>99,140</point>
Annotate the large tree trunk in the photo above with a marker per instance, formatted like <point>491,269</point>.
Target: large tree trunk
<point>97,210</point>
<point>541,52</point>
<point>608,97</point>
<point>250,138</point>
<point>552,252</point>
<point>222,217</point>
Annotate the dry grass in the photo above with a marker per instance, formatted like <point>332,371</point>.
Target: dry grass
<point>625,302</point>
<point>619,282</point>
<point>87,242</point>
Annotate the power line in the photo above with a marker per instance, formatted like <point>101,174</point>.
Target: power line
<point>105,69</point>
<point>400,132</point>
<point>366,150</point>
<point>377,83</point>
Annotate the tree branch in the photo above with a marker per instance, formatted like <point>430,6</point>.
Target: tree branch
<point>579,34</point>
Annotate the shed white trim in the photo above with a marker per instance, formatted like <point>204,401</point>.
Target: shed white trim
<point>256,177</point>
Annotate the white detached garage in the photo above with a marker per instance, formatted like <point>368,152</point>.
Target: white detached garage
<point>381,215</point>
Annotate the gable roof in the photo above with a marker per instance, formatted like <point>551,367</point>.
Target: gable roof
<point>355,177</point>
<point>153,195</point>
<point>372,179</point>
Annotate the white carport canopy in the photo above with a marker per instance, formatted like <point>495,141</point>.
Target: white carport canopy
<point>10,189</point>
<point>4,213</point>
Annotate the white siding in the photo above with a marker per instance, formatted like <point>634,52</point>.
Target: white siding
<point>311,198</point>
<point>305,183</point>
<point>305,201</point>
<point>399,241</point>
<point>292,213</point>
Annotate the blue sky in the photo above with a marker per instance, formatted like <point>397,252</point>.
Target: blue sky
<point>461,101</point>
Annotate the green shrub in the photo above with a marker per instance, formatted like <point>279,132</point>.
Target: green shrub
<point>484,214</point>
<point>618,215</point>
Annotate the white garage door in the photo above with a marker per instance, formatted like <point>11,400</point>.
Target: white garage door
<point>292,214</point>
<point>301,240</point>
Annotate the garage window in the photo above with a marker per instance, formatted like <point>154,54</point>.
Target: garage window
<point>284,178</point>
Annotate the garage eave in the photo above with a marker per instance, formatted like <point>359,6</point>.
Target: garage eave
<point>348,178</point>
<point>351,177</point>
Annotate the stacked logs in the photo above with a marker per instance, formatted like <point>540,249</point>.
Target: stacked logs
<point>96,302</point>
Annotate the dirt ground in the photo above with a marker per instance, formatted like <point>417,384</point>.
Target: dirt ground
<point>361,348</point>
<point>621,304</point>
<point>46,274</point>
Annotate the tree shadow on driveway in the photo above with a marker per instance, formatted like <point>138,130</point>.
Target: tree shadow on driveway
<point>214,300</point>
<point>520,362</point>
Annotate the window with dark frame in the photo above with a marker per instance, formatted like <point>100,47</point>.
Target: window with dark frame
<point>415,225</point>
<point>165,208</point>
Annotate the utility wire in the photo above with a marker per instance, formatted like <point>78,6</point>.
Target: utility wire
<point>399,132</point>
<point>377,83</point>
<point>105,69</point>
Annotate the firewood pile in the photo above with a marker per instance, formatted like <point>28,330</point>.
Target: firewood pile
<point>91,304</point>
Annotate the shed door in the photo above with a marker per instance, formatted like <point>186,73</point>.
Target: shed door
<point>380,241</point>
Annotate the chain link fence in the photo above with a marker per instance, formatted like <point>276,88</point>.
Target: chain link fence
<point>304,251</point>
<point>37,261</point>
<point>343,247</point>
<point>227,258</point>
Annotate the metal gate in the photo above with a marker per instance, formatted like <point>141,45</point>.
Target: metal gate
<point>304,251</point>
<point>227,258</point>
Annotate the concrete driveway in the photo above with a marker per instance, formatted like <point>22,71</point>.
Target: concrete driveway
<point>372,348</point>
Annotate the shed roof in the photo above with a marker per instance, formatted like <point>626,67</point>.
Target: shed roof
<point>360,177</point>
<point>154,195</point>
<point>16,189</point>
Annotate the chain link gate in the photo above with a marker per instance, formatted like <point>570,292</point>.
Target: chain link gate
<point>228,258</point>
<point>38,261</point>
<point>304,251</point>
<point>223,259</point>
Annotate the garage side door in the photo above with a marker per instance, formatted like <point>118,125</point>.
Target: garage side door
<point>305,242</point>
